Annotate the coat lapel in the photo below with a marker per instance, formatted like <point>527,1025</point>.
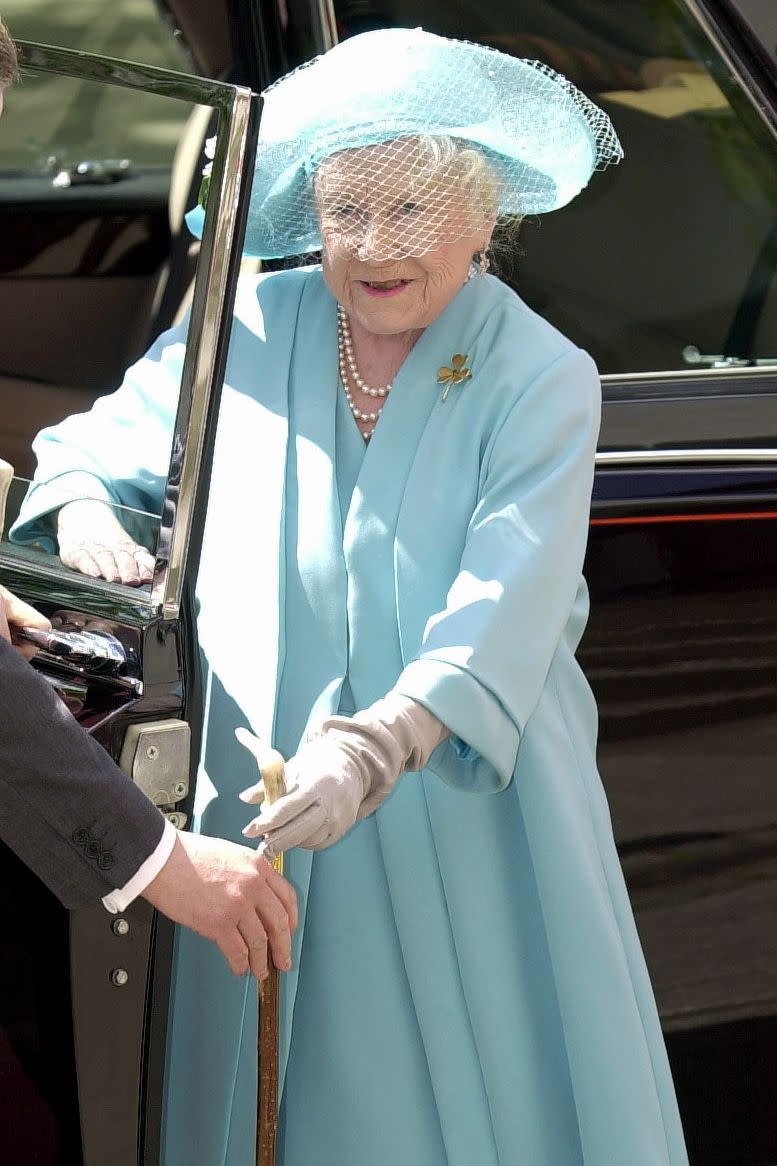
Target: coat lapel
<point>316,586</point>
<point>408,436</point>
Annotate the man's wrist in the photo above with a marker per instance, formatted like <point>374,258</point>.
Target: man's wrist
<point>121,898</point>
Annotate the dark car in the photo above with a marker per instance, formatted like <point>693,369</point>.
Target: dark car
<point>665,270</point>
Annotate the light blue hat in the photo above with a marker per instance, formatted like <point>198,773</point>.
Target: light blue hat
<point>544,136</point>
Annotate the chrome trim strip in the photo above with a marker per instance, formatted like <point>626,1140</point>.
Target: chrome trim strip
<point>126,683</point>
<point>610,457</point>
<point>327,24</point>
<point>210,288</point>
<point>129,74</point>
<point>756,97</point>
<point>698,373</point>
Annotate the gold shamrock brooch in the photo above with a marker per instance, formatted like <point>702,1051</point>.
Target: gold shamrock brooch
<point>455,374</point>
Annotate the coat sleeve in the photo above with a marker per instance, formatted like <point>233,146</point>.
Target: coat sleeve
<point>485,657</point>
<point>66,809</point>
<point>118,452</point>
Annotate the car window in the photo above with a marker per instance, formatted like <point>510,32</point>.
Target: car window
<point>668,261</point>
<point>79,276</point>
<point>56,119</point>
<point>141,525</point>
<point>135,452</point>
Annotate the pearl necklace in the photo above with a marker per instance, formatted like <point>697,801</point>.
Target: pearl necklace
<point>348,370</point>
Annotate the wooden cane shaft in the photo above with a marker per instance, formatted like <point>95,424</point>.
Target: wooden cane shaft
<point>269,1009</point>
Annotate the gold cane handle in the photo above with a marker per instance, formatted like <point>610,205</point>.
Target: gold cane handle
<point>273,772</point>
<point>273,778</point>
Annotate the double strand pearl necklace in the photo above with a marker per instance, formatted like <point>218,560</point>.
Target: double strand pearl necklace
<point>349,372</point>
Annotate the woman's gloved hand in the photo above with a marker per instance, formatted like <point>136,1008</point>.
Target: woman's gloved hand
<point>343,773</point>
<point>93,541</point>
<point>325,786</point>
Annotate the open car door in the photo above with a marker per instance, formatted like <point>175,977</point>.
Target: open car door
<point>84,996</point>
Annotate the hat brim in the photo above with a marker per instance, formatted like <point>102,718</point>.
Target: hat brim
<point>544,137</point>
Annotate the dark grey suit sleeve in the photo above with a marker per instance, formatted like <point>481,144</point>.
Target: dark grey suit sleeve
<point>65,808</point>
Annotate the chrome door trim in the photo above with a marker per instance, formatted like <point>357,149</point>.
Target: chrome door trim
<point>610,457</point>
<point>698,372</point>
<point>324,24</point>
<point>755,95</point>
<point>199,369</point>
<point>127,74</point>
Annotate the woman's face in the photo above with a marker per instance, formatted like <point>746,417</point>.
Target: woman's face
<point>398,242</point>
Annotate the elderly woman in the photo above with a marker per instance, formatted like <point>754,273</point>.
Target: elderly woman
<point>410,452</point>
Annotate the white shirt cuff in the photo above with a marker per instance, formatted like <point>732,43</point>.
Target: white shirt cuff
<point>121,898</point>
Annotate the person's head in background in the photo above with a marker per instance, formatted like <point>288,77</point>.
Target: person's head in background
<point>9,67</point>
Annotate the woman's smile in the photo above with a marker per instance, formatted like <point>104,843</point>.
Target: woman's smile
<point>383,288</point>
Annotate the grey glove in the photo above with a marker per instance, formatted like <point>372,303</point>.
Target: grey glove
<point>343,773</point>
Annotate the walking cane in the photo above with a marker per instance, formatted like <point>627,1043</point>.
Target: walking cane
<point>267,1094</point>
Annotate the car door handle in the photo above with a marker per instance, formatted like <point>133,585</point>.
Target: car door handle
<point>92,651</point>
<point>692,355</point>
<point>103,172</point>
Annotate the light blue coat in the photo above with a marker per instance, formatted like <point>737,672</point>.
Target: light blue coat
<point>468,986</point>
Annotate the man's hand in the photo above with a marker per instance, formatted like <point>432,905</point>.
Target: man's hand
<point>229,894</point>
<point>15,613</point>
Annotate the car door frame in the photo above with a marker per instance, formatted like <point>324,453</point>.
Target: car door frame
<point>120,974</point>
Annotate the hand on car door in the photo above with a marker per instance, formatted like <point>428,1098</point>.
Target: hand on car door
<point>93,541</point>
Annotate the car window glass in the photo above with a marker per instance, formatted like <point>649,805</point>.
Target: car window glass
<point>52,118</point>
<point>85,238</point>
<point>84,267</point>
<point>669,260</point>
<point>140,525</point>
